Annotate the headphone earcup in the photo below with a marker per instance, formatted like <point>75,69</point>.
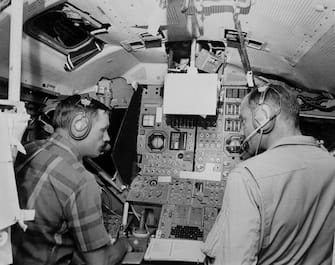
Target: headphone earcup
<point>263,114</point>
<point>80,126</point>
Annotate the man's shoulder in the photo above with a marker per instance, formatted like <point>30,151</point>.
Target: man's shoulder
<point>262,165</point>
<point>256,160</point>
<point>60,163</point>
<point>68,169</point>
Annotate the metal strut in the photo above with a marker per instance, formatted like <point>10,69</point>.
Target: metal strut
<point>243,52</point>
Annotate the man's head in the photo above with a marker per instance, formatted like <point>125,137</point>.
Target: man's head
<point>269,115</point>
<point>85,122</point>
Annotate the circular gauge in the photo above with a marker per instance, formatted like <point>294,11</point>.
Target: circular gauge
<point>156,141</point>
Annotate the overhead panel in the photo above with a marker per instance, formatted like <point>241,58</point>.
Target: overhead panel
<point>319,27</point>
<point>318,63</point>
<point>290,28</point>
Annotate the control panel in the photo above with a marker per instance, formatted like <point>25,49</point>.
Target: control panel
<point>186,222</point>
<point>184,161</point>
<point>148,189</point>
<point>233,96</point>
<point>169,144</point>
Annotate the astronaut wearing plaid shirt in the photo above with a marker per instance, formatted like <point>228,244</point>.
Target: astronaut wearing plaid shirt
<point>52,180</point>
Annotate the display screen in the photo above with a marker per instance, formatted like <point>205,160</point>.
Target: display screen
<point>178,140</point>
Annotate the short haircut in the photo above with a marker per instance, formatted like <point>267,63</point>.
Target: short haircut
<point>278,97</point>
<point>72,105</point>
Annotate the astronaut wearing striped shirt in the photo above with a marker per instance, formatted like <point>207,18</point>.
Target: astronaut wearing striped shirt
<point>52,180</point>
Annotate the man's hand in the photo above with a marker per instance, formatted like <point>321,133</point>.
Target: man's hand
<point>117,251</point>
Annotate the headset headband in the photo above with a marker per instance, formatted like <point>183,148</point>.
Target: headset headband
<point>86,101</point>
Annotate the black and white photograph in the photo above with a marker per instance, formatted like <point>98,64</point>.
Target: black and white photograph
<point>167,132</point>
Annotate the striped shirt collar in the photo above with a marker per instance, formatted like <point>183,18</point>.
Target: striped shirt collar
<point>65,144</point>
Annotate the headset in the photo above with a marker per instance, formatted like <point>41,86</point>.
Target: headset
<point>264,116</point>
<point>80,124</point>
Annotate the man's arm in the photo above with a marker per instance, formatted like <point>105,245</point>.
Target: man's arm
<point>241,221</point>
<point>117,251</point>
<point>110,254</point>
<point>84,219</point>
<point>96,257</point>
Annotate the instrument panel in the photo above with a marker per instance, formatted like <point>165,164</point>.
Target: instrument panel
<point>184,161</point>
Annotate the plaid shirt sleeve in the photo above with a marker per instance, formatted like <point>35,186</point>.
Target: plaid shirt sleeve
<point>84,216</point>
